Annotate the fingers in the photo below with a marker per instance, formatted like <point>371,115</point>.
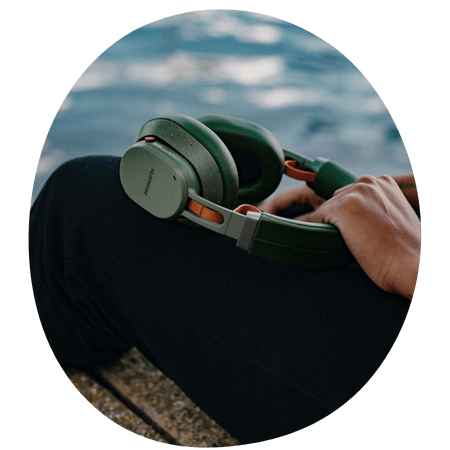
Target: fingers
<point>277,203</point>
<point>304,218</point>
<point>368,193</point>
<point>299,195</point>
<point>349,195</point>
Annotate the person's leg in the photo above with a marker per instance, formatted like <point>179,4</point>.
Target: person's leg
<point>264,348</point>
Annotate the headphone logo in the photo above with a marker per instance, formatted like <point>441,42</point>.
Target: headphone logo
<point>149,181</point>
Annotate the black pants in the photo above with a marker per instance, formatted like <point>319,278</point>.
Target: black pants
<point>264,348</point>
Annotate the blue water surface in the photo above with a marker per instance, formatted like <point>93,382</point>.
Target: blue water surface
<point>251,66</point>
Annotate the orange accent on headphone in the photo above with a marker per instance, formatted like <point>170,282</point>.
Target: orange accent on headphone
<point>291,170</point>
<point>204,212</point>
<point>213,216</point>
<point>244,209</point>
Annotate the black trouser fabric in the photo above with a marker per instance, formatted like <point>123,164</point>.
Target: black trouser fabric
<point>264,348</point>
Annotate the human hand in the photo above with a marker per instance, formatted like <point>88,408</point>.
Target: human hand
<point>380,228</point>
<point>300,195</point>
<point>375,219</point>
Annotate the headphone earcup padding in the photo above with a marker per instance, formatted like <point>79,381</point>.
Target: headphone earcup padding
<point>258,155</point>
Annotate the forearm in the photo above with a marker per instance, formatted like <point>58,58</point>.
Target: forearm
<point>407,184</point>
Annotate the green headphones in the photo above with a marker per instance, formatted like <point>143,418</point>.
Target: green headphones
<point>180,167</point>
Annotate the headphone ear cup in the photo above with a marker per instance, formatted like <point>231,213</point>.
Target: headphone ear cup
<point>257,153</point>
<point>197,143</point>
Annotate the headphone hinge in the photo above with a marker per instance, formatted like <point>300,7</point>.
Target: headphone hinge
<point>248,230</point>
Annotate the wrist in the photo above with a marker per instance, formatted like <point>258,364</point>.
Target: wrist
<point>406,276</point>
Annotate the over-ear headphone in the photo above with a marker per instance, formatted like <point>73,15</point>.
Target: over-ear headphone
<point>180,167</point>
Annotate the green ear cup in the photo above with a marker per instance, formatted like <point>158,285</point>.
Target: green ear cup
<point>249,141</point>
<point>197,143</point>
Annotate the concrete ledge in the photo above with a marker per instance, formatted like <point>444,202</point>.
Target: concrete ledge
<point>136,395</point>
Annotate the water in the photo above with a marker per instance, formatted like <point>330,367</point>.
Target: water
<point>255,67</point>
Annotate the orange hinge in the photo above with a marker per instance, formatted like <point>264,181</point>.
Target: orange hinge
<point>291,170</point>
<point>204,212</point>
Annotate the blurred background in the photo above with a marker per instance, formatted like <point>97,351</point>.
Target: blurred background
<point>250,66</point>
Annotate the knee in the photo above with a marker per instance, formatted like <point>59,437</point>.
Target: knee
<point>74,169</point>
<point>83,174</point>
<point>67,173</point>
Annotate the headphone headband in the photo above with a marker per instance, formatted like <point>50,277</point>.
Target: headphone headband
<point>179,168</point>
